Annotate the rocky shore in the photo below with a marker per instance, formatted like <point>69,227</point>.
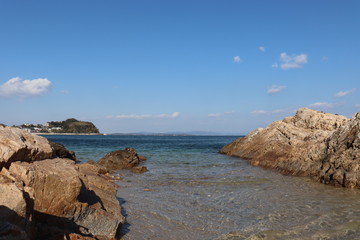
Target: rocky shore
<point>312,143</point>
<point>45,194</point>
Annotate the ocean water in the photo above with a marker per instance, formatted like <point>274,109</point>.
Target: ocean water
<point>192,192</point>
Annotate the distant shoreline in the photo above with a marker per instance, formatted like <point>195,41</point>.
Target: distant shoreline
<point>80,134</point>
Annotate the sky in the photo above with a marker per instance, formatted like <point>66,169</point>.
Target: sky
<point>226,66</point>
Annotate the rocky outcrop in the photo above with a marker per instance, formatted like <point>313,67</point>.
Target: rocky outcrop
<point>19,145</point>
<point>311,143</point>
<point>75,194</point>
<point>55,199</point>
<point>341,166</point>
<point>121,159</point>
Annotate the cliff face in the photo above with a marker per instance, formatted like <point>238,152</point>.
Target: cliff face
<point>311,143</point>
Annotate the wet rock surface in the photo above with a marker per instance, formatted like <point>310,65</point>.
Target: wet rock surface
<point>121,159</point>
<point>312,143</point>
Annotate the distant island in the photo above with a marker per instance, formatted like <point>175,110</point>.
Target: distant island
<point>69,126</point>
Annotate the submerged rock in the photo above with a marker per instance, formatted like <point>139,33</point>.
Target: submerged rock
<point>121,159</point>
<point>140,169</point>
<point>311,143</point>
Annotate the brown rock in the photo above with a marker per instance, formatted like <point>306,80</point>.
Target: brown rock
<point>341,166</point>
<point>15,210</point>
<point>140,169</point>
<point>121,159</point>
<point>74,236</point>
<point>105,217</point>
<point>295,145</point>
<point>61,152</point>
<point>71,197</point>
<point>19,145</point>
<point>142,158</point>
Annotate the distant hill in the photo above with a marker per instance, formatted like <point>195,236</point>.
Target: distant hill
<point>71,125</point>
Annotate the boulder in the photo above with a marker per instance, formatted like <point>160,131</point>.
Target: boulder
<point>296,145</point>
<point>19,145</point>
<point>70,198</point>
<point>15,209</point>
<point>121,159</point>
<point>61,152</point>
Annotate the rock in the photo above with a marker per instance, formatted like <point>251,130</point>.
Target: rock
<point>15,213</point>
<point>142,158</point>
<point>61,152</point>
<point>341,166</point>
<point>19,145</point>
<point>295,145</point>
<point>10,231</point>
<point>140,169</point>
<point>121,159</point>
<point>70,198</point>
<point>105,218</point>
<point>44,198</point>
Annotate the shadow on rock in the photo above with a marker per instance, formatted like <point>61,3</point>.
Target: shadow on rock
<point>39,226</point>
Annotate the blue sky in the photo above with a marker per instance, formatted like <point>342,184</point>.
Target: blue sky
<point>222,66</point>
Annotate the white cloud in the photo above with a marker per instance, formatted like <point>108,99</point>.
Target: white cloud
<point>25,88</point>
<point>220,114</point>
<point>262,49</point>
<point>271,112</point>
<point>258,112</point>
<point>276,111</point>
<point>237,59</point>
<point>293,61</point>
<point>344,93</point>
<point>275,89</point>
<point>357,105</point>
<point>214,114</point>
<point>64,92</point>
<point>324,58</point>
<point>275,65</point>
<point>146,116</point>
<point>324,105</point>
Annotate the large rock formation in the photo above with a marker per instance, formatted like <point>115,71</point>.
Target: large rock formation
<point>54,198</point>
<point>311,143</point>
<point>19,145</point>
<point>341,165</point>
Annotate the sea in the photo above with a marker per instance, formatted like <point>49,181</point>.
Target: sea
<point>192,192</point>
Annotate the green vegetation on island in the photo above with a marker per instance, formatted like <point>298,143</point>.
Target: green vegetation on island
<point>69,126</point>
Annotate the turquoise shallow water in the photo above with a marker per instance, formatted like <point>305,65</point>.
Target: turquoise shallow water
<point>191,192</point>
